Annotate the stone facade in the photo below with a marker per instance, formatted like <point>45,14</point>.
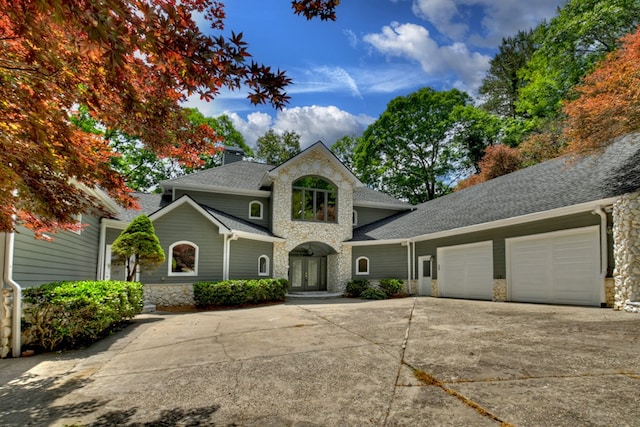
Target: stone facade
<point>500,290</point>
<point>434,288</point>
<point>626,250</point>
<point>609,291</point>
<point>169,295</point>
<point>296,233</point>
<point>6,308</point>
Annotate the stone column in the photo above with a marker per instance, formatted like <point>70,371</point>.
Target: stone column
<point>6,305</point>
<point>626,251</point>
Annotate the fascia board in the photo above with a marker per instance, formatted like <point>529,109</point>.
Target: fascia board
<point>259,237</point>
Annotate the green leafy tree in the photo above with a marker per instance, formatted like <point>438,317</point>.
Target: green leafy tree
<point>138,246</point>
<point>344,149</point>
<point>570,45</point>
<point>410,152</point>
<point>476,130</point>
<point>500,87</point>
<point>275,148</point>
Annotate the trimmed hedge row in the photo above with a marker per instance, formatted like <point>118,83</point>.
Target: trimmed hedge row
<point>67,315</point>
<point>238,292</point>
<point>362,288</point>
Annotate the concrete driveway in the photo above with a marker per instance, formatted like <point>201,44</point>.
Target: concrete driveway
<point>342,362</point>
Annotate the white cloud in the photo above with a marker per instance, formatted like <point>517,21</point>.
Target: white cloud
<point>351,38</point>
<point>312,123</point>
<point>454,62</point>
<point>500,18</point>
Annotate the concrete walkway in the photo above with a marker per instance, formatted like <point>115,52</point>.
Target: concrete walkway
<point>342,362</point>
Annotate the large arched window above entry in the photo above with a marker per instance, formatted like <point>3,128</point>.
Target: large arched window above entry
<point>314,199</point>
<point>183,259</point>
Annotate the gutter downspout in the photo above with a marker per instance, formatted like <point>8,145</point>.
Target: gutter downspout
<point>604,249</point>
<point>408,244</point>
<point>228,238</point>
<point>16,333</point>
<point>101,249</point>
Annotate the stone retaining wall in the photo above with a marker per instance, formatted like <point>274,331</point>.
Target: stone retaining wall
<point>626,249</point>
<point>169,295</point>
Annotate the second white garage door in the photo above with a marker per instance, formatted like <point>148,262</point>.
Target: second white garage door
<point>561,267</point>
<point>466,271</point>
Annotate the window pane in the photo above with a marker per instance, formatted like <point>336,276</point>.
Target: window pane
<point>183,259</point>
<point>309,211</point>
<point>296,204</point>
<point>263,265</point>
<point>256,210</point>
<point>363,265</point>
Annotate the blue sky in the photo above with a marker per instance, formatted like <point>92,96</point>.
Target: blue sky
<point>345,72</point>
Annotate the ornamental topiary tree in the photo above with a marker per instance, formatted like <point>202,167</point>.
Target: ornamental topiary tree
<point>138,246</point>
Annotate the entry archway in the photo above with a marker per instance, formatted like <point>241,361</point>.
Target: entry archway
<point>308,267</point>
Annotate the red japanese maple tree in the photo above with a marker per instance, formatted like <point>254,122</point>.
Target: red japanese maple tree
<point>609,100</point>
<point>131,63</point>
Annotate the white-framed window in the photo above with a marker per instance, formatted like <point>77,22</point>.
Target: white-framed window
<point>362,265</point>
<point>314,199</point>
<point>255,209</point>
<point>263,265</point>
<point>183,259</point>
<point>355,217</point>
<point>78,220</point>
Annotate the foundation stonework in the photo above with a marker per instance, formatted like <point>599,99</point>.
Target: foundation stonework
<point>6,309</point>
<point>499,290</point>
<point>297,233</point>
<point>609,291</point>
<point>434,288</point>
<point>169,295</point>
<point>626,251</point>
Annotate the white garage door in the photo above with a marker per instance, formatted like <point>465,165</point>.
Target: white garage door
<point>560,268</point>
<point>466,271</point>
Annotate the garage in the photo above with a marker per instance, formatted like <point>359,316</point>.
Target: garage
<point>559,268</point>
<point>466,271</point>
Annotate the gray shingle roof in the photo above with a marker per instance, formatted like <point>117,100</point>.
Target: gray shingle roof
<point>237,224</point>
<point>368,196</point>
<point>149,203</point>
<point>241,175</point>
<point>550,185</point>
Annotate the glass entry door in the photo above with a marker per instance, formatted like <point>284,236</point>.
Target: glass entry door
<point>308,273</point>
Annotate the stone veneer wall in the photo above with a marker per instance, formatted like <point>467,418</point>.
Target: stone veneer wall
<point>626,250</point>
<point>609,291</point>
<point>500,290</point>
<point>169,295</point>
<point>6,308</point>
<point>299,232</point>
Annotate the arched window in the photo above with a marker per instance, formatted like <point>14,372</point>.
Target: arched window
<point>362,265</point>
<point>314,199</point>
<point>263,265</point>
<point>183,259</point>
<point>355,217</point>
<point>255,210</point>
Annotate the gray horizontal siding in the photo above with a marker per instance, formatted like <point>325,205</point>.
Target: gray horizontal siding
<point>499,235</point>
<point>370,215</point>
<point>69,256</point>
<point>243,262</point>
<point>184,223</point>
<point>385,261</point>
<point>232,204</point>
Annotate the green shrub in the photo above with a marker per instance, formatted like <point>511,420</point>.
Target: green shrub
<point>373,293</point>
<point>238,292</point>
<point>66,315</point>
<point>391,287</point>
<point>356,287</point>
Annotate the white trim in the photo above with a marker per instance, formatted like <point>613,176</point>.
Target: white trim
<point>261,209</point>
<point>538,216</point>
<point>270,176</point>
<point>170,271</point>
<point>258,237</point>
<point>377,242</point>
<point>78,219</point>
<point>265,273</point>
<point>362,273</point>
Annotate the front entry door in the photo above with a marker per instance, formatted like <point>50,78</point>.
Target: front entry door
<point>424,275</point>
<point>308,273</point>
